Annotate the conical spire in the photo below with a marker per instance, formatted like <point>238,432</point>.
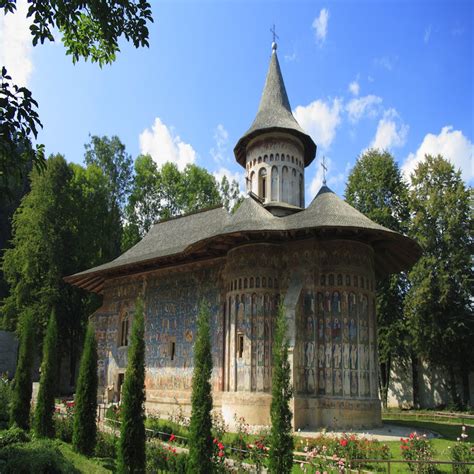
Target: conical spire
<point>274,114</point>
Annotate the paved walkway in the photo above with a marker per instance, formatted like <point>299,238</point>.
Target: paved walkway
<point>388,432</point>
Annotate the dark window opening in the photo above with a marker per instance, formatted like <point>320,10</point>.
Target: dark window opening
<point>241,345</point>
<point>172,349</point>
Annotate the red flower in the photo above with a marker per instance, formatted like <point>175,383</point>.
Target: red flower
<point>343,442</point>
<point>412,435</point>
<point>220,446</point>
<point>215,441</point>
<point>221,453</point>
<point>172,437</point>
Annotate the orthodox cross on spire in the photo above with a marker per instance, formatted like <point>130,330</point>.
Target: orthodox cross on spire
<point>325,168</point>
<point>275,37</point>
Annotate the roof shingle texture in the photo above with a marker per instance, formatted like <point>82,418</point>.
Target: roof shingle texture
<point>274,114</point>
<point>176,236</point>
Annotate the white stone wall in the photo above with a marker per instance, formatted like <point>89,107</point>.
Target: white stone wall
<point>275,170</point>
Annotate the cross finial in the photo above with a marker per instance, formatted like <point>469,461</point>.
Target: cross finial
<point>275,37</point>
<point>325,168</point>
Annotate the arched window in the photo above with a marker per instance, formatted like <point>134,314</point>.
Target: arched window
<point>301,191</point>
<point>284,184</point>
<point>277,157</point>
<point>293,198</point>
<point>265,158</point>
<point>262,183</point>
<point>123,330</point>
<point>275,183</point>
<point>252,182</point>
<point>259,159</point>
<point>271,157</point>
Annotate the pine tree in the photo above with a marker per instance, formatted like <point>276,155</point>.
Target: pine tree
<point>43,423</point>
<point>22,385</point>
<point>85,428</point>
<point>131,452</point>
<point>200,437</point>
<point>281,440</point>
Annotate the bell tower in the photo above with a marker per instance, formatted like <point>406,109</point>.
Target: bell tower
<point>275,150</point>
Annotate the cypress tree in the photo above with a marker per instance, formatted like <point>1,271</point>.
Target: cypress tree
<point>200,437</point>
<point>22,385</point>
<point>43,424</point>
<point>281,440</point>
<point>131,452</point>
<point>85,429</point>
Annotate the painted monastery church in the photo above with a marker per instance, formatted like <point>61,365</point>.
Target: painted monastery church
<point>321,261</point>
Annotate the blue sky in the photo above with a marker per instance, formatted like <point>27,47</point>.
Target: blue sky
<point>395,75</point>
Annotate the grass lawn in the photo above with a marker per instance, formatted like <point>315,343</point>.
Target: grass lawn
<point>84,464</point>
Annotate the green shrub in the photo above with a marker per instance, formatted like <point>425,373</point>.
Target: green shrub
<point>43,423</point>
<point>106,445</point>
<point>63,426</point>
<point>5,398</point>
<point>131,450</point>
<point>38,456</point>
<point>200,429</point>
<point>22,384</point>
<point>85,414</point>
<point>13,435</point>
<point>165,458</point>
<point>281,439</point>
<point>462,451</point>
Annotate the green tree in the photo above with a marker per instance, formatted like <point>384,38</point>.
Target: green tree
<point>131,451</point>
<point>163,193</point>
<point>110,156</point>
<point>200,428</point>
<point>43,423</point>
<point>90,30</point>
<point>230,194</point>
<point>59,229</point>
<point>22,384</point>
<point>375,187</point>
<point>143,206</point>
<point>439,301</point>
<point>281,440</point>
<point>85,428</point>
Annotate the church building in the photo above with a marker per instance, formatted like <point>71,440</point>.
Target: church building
<point>321,261</point>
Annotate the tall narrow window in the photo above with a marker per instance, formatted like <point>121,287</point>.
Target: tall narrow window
<point>240,345</point>
<point>274,190</point>
<point>284,184</point>
<point>172,349</point>
<point>262,192</point>
<point>123,330</point>
<point>301,191</point>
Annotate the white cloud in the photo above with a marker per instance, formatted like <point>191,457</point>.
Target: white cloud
<point>367,106</point>
<point>15,44</point>
<point>391,131</point>
<point>320,120</point>
<point>290,57</point>
<point>385,62</point>
<point>427,35</point>
<point>452,144</point>
<point>219,151</point>
<point>320,25</point>
<point>163,145</point>
<point>354,88</point>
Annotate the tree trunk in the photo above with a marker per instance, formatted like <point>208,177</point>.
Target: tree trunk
<point>385,368</point>
<point>416,387</point>
<point>453,388</point>
<point>465,386</point>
